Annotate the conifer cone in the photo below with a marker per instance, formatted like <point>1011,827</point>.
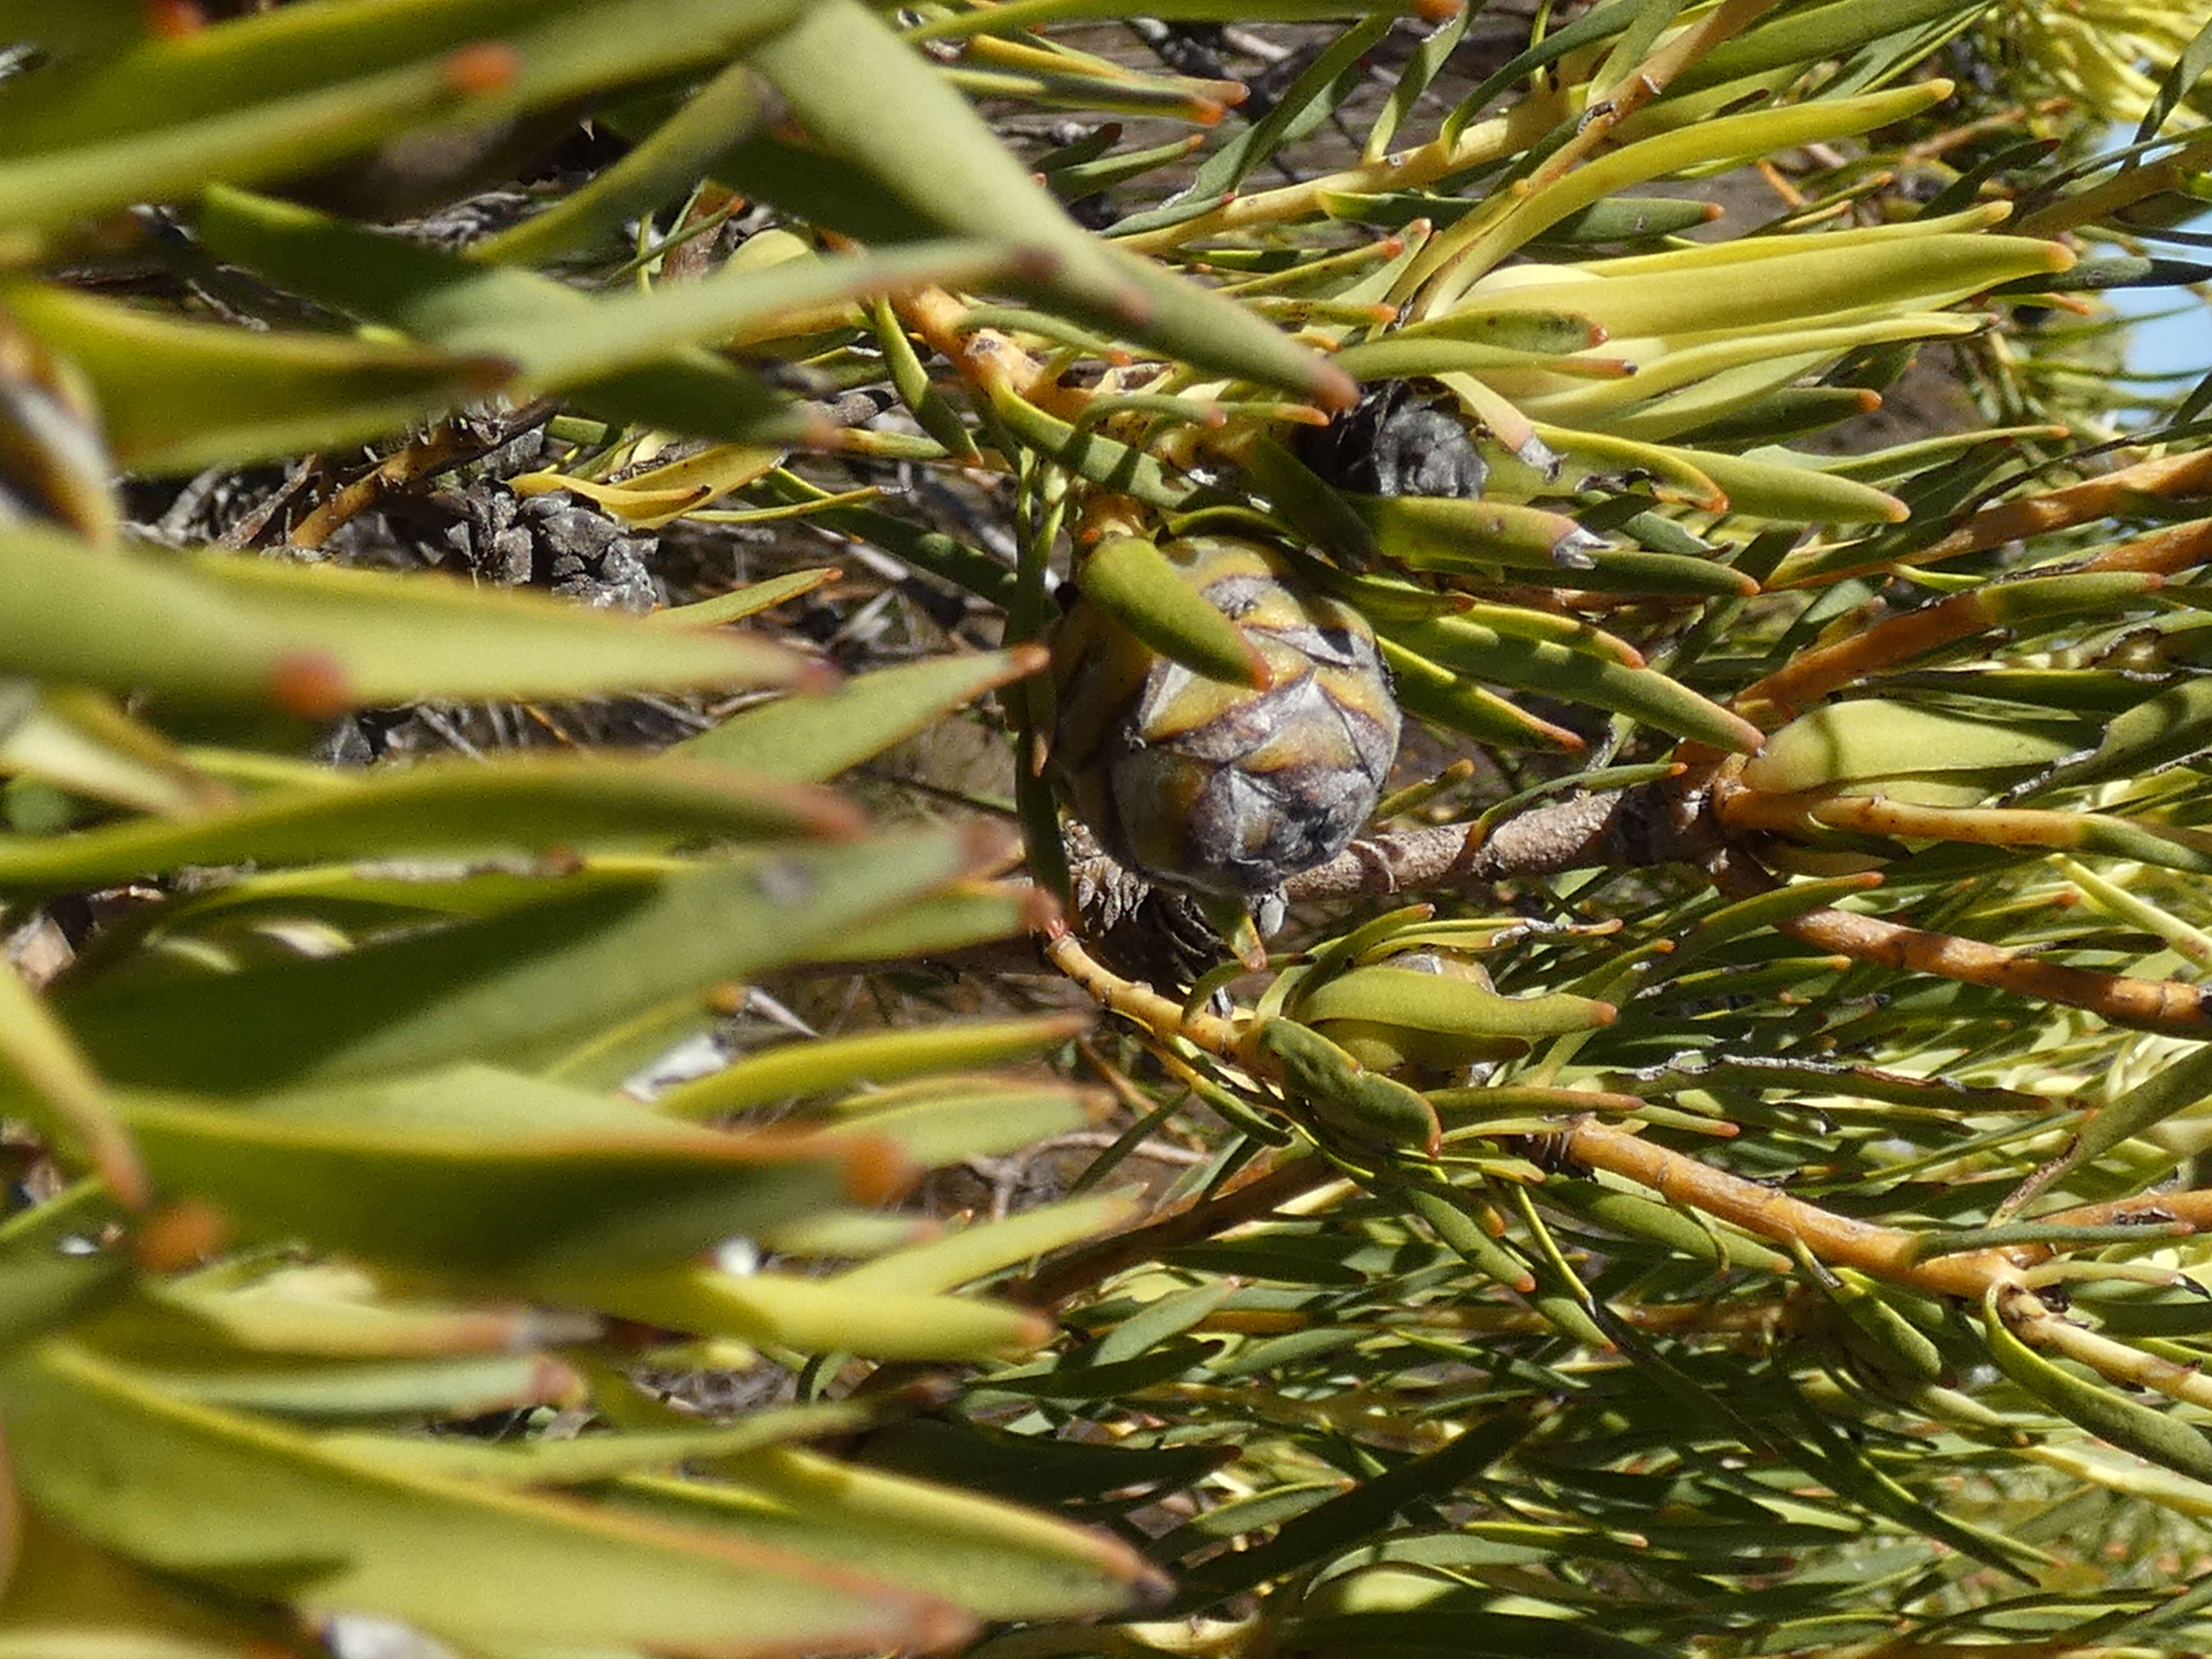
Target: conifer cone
<point>1219,788</point>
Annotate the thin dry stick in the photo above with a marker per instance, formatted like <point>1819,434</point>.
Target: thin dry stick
<point>2151,1004</point>
<point>1484,141</point>
<point>1885,1253</point>
<point>2167,479</point>
<point>1812,675</point>
<point>2140,1004</point>
<point>2166,552</point>
<point>449,443</point>
<point>1624,827</point>
<point>2193,1209</point>
<point>2037,1326</point>
<point>1255,1192</point>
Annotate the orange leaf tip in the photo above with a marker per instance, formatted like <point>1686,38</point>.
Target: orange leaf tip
<point>180,1235</point>
<point>875,1171</point>
<point>483,68</point>
<point>173,20</point>
<point>312,685</point>
<point>1041,914</point>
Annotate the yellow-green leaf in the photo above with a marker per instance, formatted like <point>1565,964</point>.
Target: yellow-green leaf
<point>817,737</point>
<point>527,984</point>
<point>512,804</point>
<point>242,1503</point>
<point>475,1170</point>
<point>315,639</point>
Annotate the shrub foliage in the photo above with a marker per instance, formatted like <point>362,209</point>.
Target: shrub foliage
<point>1710,1168</point>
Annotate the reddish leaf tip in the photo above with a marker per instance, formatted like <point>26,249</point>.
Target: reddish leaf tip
<point>173,20</point>
<point>1749,739</point>
<point>1133,306</point>
<point>876,1171</point>
<point>987,846</point>
<point>180,1235</point>
<point>927,1393</point>
<point>312,685</point>
<point>1033,265</point>
<point>1041,914</point>
<point>117,1164</point>
<point>483,374</point>
<point>832,817</point>
<point>1152,1590</point>
<point>483,68</point>
<point>552,1384</point>
<point>1096,1105</point>
<point>1331,387</point>
<point>938,1628</point>
<point>558,862</point>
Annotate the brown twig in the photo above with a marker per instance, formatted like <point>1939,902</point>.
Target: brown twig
<point>1253,1194</point>
<point>2035,1324</point>
<point>2192,1208</point>
<point>2142,1004</point>
<point>449,444</point>
<point>1651,824</point>
<point>1886,1253</point>
<point>1484,141</point>
<point>1812,674</point>
<point>2166,479</point>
